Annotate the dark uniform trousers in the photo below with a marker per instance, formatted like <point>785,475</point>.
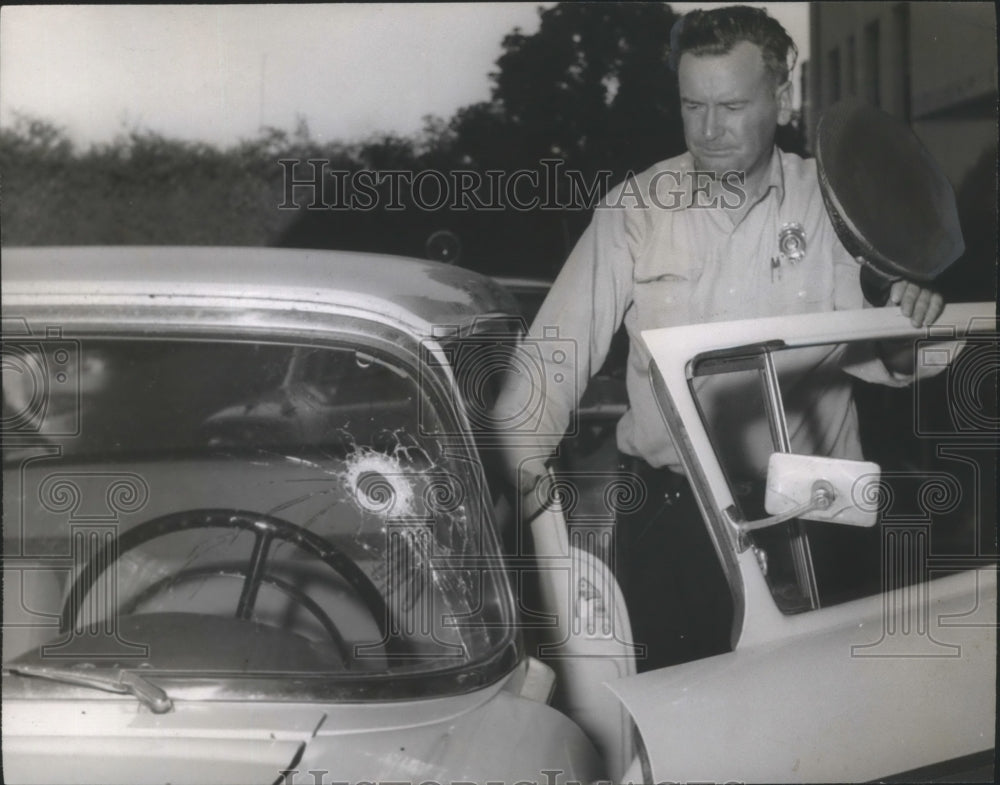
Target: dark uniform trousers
<point>679,602</point>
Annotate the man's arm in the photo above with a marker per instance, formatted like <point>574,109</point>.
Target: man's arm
<point>923,307</point>
<point>890,362</point>
<point>568,340</point>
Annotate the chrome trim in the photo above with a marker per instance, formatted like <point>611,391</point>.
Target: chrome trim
<point>805,574</point>
<point>725,539</point>
<point>313,687</point>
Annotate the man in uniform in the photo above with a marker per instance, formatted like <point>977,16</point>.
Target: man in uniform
<point>732,229</point>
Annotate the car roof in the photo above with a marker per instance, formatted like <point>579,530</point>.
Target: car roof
<point>414,291</point>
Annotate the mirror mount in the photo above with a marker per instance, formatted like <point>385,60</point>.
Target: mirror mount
<point>821,498</point>
<point>818,489</point>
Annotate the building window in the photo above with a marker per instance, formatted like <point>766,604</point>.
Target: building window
<point>901,31</point>
<point>852,67</point>
<point>804,89</point>
<point>833,69</point>
<point>873,74</point>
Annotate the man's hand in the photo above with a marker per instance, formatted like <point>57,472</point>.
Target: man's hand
<point>922,306</point>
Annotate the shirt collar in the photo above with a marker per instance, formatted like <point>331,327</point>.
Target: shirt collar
<point>775,177</point>
<point>776,174</point>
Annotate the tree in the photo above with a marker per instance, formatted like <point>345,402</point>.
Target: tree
<point>592,86</point>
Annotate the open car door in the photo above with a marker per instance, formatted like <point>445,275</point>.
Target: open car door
<point>864,637</point>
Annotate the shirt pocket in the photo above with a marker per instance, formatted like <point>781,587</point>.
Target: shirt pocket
<point>806,287</point>
<point>666,275</point>
<point>663,301</point>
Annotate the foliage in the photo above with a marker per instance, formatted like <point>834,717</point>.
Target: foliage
<point>143,188</point>
<point>591,89</point>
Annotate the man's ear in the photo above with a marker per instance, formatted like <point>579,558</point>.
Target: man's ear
<point>783,96</point>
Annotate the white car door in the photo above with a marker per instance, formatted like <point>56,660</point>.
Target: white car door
<point>858,653</point>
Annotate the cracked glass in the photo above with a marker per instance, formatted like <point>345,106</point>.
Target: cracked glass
<point>244,507</point>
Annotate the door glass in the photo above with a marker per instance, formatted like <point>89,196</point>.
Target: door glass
<point>745,425</point>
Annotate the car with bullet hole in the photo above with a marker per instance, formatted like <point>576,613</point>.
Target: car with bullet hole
<point>254,532</point>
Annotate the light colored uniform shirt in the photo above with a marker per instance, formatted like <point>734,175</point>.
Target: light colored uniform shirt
<point>653,256</point>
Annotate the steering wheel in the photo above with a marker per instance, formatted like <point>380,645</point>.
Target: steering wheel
<point>286,588</point>
<point>265,529</point>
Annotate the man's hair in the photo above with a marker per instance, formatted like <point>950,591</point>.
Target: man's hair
<point>717,31</point>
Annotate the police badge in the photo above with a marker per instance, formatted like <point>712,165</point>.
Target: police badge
<point>792,242</point>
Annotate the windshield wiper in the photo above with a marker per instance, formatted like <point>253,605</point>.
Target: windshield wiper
<point>118,680</point>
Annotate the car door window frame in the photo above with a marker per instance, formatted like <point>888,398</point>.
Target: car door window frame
<point>760,358</point>
<point>676,352</point>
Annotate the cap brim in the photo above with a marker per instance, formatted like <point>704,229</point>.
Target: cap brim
<point>887,197</point>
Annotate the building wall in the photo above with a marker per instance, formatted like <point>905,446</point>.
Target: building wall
<point>933,64</point>
<point>955,55</point>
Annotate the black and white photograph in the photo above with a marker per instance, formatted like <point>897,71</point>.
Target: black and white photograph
<point>508,393</point>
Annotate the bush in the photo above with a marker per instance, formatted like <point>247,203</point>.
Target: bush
<point>142,188</point>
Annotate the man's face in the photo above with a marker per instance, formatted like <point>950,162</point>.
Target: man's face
<point>731,109</point>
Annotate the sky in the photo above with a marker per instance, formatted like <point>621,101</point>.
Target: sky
<point>221,73</point>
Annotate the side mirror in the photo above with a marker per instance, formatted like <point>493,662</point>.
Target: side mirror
<point>822,489</point>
